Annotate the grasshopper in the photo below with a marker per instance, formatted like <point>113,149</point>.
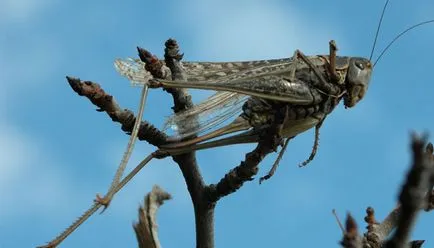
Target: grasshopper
<point>305,88</point>
<point>308,87</point>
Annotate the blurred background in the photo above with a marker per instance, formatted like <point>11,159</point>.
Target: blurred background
<point>57,152</point>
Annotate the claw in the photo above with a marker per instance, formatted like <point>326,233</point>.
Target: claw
<point>154,83</point>
<point>104,201</point>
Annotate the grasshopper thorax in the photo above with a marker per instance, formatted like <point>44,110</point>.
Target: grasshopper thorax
<point>357,80</point>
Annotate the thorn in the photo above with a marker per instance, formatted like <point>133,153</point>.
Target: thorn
<point>72,80</point>
<point>370,216</point>
<point>144,55</point>
<point>351,226</point>
<point>171,43</point>
<point>333,44</point>
<point>416,243</point>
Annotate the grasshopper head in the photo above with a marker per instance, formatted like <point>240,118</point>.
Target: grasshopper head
<point>357,80</point>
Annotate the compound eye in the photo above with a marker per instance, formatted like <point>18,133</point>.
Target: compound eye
<point>360,65</point>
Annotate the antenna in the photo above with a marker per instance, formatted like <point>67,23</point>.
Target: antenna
<point>399,36</point>
<point>378,29</point>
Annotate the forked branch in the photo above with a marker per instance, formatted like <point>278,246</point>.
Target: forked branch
<point>417,194</point>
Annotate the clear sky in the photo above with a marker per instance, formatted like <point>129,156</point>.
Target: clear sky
<point>57,152</point>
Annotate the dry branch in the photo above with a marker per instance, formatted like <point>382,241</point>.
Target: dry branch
<point>107,103</point>
<point>416,194</point>
<point>146,228</point>
<point>269,140</point>
<point>413,194</point>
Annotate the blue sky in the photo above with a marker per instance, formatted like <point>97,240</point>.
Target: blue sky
<point>57,152</point>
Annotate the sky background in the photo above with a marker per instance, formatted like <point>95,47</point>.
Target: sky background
<point>57,152</point>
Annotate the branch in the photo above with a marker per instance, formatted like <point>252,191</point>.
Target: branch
<point>170,68</point>
<point>430,196</point>
<point>182,101</point>
<point>107,103</point>
<point>413,194</point>
<point>430,201</point>
<point>416,195</point>
<point>172,57</point>
<point>203,209</point>
<point>146,228</point>
<point>378,232</point>
<point>235,178</point>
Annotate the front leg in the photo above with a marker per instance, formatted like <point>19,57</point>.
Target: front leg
<point>294,69</point>
<point>323,85</point>
<point>332,66</point>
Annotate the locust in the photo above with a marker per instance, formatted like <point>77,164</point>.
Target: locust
<point>306,89</point>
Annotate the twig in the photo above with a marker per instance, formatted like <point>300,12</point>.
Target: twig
<point>413,193</point>
<point>146,228</point>
<point>203,209</point>
<point>413,198</point>
<point>351,237</point>
<point>107,103</point>
<point>172,58</point>
<point>235,178</point>
<point>378,232</point>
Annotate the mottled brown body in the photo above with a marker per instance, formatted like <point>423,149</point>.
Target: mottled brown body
<point>307,99</point>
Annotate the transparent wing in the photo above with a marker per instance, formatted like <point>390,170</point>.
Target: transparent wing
<point>206,115</point>
<point>134,70</point>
